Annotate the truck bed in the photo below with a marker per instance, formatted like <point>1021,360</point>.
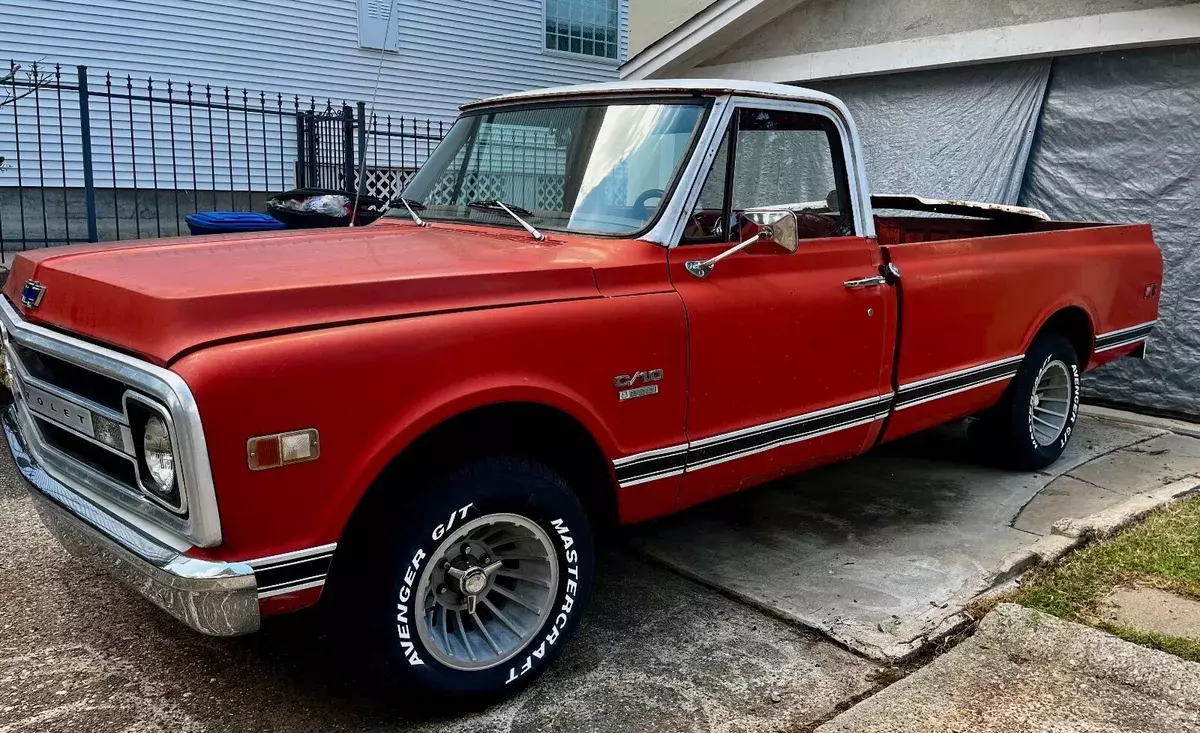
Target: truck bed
<point>973,293</point>
<point>957,220</point>
<point>907,229</point>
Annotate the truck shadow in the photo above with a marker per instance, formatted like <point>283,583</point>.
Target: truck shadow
<point>653,647</point>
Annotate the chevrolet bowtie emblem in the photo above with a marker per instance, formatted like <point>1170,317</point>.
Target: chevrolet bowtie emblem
<point>31,294</point>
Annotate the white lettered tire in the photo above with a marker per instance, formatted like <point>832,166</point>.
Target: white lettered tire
<point>474,585</point>
<point>1035,419</point>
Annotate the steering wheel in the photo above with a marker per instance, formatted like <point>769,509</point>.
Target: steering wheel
<point>815,226</point>
<point>639,205</point>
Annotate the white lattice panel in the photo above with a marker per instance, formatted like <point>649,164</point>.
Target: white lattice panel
<point>387,183</point>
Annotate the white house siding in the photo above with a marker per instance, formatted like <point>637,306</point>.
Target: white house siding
<point>447,54</point>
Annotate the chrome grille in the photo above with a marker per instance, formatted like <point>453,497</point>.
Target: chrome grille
<point>88,439</point>
<point>86,417</point>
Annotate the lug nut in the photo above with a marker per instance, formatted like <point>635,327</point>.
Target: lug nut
<point>441,590</point>
<point>466,549</point>
<point>484,559</point>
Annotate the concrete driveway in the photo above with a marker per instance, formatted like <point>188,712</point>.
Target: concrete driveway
<point>79,652</point>
<point>883,552</point>
<point>877,553</point>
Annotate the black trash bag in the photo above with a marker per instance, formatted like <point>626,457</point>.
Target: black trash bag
<point>306,208</point>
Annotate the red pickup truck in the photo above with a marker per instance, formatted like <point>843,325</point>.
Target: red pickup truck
<point>593,305</point>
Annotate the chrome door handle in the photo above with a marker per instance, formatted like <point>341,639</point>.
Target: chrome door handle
<point>866,282</point>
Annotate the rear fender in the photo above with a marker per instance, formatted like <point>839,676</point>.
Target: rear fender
<point>1057,306</point>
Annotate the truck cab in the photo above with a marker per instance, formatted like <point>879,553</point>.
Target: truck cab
<point>592,306</point>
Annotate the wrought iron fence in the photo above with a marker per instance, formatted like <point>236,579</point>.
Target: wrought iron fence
<point>98,158</point>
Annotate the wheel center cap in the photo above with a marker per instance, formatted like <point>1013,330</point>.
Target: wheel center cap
<point>474,582</point>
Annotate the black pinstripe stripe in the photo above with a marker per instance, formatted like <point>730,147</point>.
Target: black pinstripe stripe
<point>767,437</point>
<point>1111,339</point>
<point>292,572</point>
<point>908,395</point>
<point>652,466</point>
<point>764,437</point>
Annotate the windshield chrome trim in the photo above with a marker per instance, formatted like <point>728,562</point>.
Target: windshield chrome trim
<point>202,526</point>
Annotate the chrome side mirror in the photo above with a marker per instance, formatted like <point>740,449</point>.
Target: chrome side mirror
<point>777,226</point>
<point>781,223</point>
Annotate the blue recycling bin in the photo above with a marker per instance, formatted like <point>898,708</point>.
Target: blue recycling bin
<point>231,222</point>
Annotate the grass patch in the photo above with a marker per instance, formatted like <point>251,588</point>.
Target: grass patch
<point>1188,649</point>
<point>1163,551</point>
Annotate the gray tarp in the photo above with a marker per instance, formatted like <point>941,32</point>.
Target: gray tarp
<point>959,133</point>
<point>1120,141</point>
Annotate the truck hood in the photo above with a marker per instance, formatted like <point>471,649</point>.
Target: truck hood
<point>160,298</point>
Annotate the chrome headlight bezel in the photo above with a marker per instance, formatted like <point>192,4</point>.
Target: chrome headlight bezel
<point>158,455</point>
<point>140,411</point>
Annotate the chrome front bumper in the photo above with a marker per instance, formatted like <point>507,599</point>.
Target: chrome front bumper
<point>218,599</point>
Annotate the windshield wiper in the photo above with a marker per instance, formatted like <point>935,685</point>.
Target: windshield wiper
<point>412,206</point>
<point>513,211</point>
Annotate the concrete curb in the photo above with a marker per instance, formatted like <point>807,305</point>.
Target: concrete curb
<point>1192,430</point>
<point>1067,535</point>
<point>1025,670</point>
<point>1108,521</point>
<point>901,639</point>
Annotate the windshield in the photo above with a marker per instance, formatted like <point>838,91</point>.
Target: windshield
<point>602,168</point>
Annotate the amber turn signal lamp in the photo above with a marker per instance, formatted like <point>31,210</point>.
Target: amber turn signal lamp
<point>282,449</point>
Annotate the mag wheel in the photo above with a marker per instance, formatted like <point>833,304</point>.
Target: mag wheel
<point>1050,404</point>
<point>473,583</point>
<point>488,589</point>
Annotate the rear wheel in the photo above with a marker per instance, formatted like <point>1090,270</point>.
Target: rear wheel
<point>472,586</point>
<point>1035,418</point>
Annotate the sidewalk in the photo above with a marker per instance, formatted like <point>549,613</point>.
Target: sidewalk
<point>1026,671</point>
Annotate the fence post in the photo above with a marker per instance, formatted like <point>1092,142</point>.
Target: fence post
<point>301,151</point>
<point>348,146</point>
<point>85,132</point>
<point>312,175</point>
<point>362,147</point>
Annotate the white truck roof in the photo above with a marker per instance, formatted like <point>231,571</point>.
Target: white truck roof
<point>668,86</point>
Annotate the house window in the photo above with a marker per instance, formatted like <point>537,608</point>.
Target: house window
<point>377,24</point>
<point>586,27</point>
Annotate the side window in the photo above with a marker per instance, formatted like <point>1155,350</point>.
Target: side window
<point>781,159</point>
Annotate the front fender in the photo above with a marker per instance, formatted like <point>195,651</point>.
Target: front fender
<point>458,399</point>
<point>371,389</point>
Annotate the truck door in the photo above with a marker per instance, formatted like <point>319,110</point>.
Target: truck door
<point>787,351</point>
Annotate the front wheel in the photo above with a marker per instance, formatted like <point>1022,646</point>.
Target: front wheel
<point>477,581</point>
<point>1035,418</point>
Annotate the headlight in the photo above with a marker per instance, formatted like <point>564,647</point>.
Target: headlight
<point>160,459</point>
